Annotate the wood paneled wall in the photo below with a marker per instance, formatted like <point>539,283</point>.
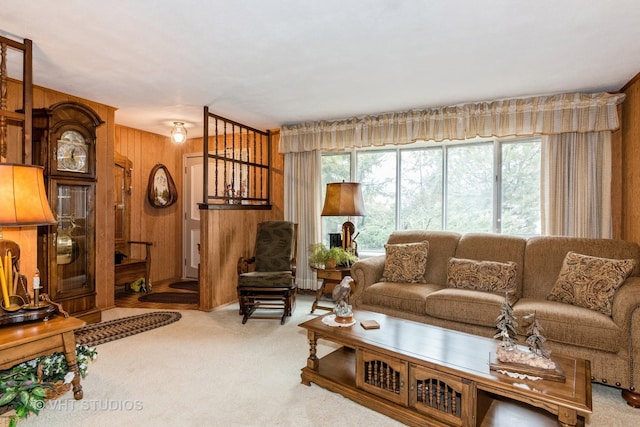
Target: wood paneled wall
<point>162,227</point>
<point>26,237</point>
<point>630,162</point>
<point>226,235</point>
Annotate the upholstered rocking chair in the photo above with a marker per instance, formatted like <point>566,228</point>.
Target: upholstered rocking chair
<point>267,280</point>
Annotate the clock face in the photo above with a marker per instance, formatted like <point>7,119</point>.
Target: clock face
<point>72,152</point>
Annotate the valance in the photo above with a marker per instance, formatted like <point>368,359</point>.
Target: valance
<point>541,115</point>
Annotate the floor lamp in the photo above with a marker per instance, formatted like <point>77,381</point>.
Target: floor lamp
<point>344,199</point>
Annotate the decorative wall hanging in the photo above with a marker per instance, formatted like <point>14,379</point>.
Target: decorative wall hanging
<point>161,190</point>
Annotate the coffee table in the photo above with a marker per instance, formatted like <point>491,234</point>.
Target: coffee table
<point>421,374</point>
<point>26,341</point>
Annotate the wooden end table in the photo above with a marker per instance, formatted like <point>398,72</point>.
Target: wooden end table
<point>426,375</point>
<point>329,276</point>
<point>22,342</point>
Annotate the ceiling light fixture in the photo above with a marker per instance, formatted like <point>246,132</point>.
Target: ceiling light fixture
<point>178,133</point>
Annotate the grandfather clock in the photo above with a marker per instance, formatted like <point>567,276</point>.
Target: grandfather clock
<point>64,142</point>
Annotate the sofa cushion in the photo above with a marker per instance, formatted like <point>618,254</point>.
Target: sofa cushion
<point>442,246</point>
<point>590,282</point>
<point>465,305</point>
<point>405,262</point>
<point>267,279</point>
<point>482,275</point>
<point>545,255</point>
<point>570,324</point>
<point>407,297</point>
<point>495,247</point>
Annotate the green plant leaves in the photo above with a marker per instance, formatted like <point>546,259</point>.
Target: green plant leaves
<point>23,388</point>
<point>7,397</point>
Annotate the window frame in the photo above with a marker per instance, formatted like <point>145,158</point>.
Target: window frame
<point>497,162</point>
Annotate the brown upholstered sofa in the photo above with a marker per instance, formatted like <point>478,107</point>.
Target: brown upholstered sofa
<point>610,342</point>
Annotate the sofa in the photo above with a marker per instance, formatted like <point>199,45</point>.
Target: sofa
<point>538,274</point>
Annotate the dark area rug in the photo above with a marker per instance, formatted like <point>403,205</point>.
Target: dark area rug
<point>171,297</point>
<point>191,285</point>
<point>100,333</point>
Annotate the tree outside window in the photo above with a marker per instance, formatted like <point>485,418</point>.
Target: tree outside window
<point>481,186</point>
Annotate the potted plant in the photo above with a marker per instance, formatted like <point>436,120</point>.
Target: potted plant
<point>318,255</point>
<point>341,257</point>
<point>26,386</point>
<point>322,257</point>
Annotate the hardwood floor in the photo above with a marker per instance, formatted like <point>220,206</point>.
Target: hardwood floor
<point>128,299</point>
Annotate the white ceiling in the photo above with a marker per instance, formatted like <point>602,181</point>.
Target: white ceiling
<point>271,62</point>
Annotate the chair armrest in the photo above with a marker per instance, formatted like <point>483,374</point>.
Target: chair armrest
<point>366,272</point>
<point>140,242</point>
<point>244,263</point>
<point>147,244</point>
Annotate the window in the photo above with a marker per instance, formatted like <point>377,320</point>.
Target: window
<point>469,188</point>
<point>379,192</point>
<point>520,191</point>
<point>335,168</point>
<point>421,189</point>
<point>476,186</point>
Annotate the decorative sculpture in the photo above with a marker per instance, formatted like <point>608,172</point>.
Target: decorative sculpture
<point>512,361</point>
<point>535,340</point>
<point>506,325</point>
<point>342,291</point>
<point>340,294</point>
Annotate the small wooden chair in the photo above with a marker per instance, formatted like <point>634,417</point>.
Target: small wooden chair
<point>267,280</point>
<point>131,269</point>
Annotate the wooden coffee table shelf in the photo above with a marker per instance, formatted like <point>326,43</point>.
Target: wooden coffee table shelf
<point>26,341</point>
<point>420,374</point>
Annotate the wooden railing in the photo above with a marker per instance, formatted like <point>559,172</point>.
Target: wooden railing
<point>237,165</point>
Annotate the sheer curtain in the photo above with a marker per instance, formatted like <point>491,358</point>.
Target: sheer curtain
<point>303,203</point>
<point>576,184</point>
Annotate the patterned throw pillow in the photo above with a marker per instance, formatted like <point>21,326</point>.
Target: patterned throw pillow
<point>405,262</point>
<point>481,275</point>
<point>590,282</point>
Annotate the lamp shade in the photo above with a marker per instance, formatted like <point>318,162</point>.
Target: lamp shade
<point>23,199</point>
<point>343,199</point>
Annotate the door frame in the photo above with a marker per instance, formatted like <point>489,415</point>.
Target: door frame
<point>187,270</point>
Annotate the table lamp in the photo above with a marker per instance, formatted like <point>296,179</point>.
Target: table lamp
<point>344,199</point>
<point>24,203</point>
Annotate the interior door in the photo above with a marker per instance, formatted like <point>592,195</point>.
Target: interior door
<point>192,196</point>
<point>194,173</point>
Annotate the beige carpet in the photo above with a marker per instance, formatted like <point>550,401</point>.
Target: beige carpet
<point>208,369</point>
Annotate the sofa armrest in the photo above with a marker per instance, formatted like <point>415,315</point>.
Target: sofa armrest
<point>625,302</point>
<point>366,272</point>
<point>625,312</point>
